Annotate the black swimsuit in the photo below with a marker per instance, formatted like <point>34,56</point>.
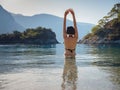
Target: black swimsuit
<point>71,50</point>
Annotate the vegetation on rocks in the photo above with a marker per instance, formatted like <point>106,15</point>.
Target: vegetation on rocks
<point>30,36</point>
<point>107,30</point>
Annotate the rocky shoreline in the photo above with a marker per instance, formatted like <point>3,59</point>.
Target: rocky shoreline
<point>97,40</point>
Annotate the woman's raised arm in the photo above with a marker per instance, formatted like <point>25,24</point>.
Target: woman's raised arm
<point>64,24</point>
<point>74,21</point>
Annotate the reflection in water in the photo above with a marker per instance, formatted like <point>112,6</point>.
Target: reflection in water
<point>69,74</point>
<point>109,57</point>
<point>115,75</point>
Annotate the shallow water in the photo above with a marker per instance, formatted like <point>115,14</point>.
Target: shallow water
<point>35,67</point>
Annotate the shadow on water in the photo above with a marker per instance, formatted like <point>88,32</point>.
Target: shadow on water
<point>69,74</point>
<point>16,57</point>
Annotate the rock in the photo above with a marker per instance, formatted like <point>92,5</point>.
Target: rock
<point>30,36</point>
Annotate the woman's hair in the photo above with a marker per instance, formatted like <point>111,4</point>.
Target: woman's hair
<point>70,30</point>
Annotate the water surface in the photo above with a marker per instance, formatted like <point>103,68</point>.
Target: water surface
<point>36,67</point>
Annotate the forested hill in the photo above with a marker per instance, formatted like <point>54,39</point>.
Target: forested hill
<point>30,36</point>
<point>108,29</point>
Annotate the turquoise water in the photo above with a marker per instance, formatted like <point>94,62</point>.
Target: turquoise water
<point>35,67</point>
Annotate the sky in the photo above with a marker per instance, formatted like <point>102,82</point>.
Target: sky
<point>89,11</point>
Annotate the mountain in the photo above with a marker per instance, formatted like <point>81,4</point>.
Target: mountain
<point>7,22</point>
<point>10,22</point>
<point>51,21</point>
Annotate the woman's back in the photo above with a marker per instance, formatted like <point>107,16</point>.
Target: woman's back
<point>70,42</point>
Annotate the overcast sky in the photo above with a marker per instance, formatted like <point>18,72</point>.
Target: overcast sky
<point>89,11</point>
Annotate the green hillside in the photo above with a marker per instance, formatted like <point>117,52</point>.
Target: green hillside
<point>108,29</point>
<point>30,36</point>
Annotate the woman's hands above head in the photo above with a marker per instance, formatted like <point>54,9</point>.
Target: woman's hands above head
<point>66,12</point>
<point>69,10</point>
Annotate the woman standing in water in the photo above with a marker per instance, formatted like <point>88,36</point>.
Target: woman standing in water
<point>70,35</point>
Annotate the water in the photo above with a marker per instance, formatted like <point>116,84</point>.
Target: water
<point>35,67</point>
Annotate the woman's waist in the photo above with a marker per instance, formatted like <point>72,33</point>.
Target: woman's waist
<point>70,53</point>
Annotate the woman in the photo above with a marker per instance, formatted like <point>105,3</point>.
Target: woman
<point>70,35</point>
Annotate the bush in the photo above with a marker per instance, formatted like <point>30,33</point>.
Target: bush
<point>95,28</point>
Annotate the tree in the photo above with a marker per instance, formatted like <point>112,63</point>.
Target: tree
<point>95,28</point>
<point>115,11</point>
<point>17,33</point>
